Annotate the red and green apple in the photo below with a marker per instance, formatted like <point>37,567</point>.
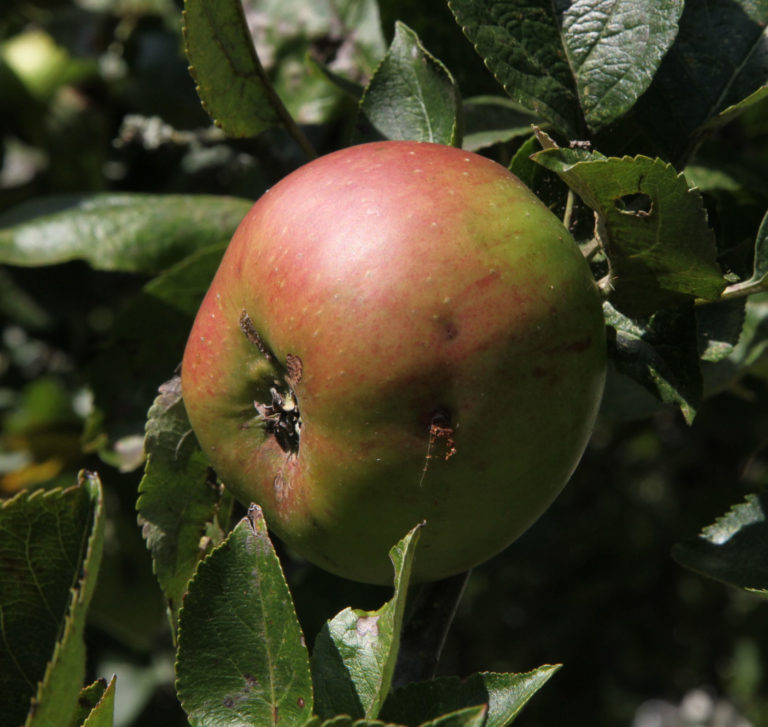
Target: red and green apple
<point>398,333</point>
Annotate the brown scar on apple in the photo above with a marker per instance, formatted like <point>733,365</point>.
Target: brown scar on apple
<point>294,369</point>
<point>441,434</point>
<point>247,327</point>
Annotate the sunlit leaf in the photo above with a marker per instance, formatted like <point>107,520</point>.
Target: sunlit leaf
<point>123,232</point>
<point>241,652</point>
<point>578,66</point>
<point>412,95</point>
<point>655,231</point>
<point>615,48</point>
<point>230,78</point>
<point>178,496</point>
<point>50,550</point>
<point>356,652</point>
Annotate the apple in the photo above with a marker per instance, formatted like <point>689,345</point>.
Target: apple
<point>398,332</point>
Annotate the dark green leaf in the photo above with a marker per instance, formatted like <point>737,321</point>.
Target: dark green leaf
<point>716,64</point>
<point>178,496</point>
<point>754,336</point>
<point>88,699</point>
<point>545,184</point>
<point>50,551</point>
<point>734,549</point>
<point>344,720</point>
<point>492,120</point>
<point>520,42</point>
<point>241,657</point>
<point>759,278</point>
<point>660,354</point>
<point>581,63</point>
<point>124,232</point>
<point>719,328</point>
<point>505,695</point>
<point>654,228</point>
<point>730,113</point>
<point>615,49</point>
<point>231,81</point>
<point>103,713</point>
<point>355,653</point>
<point>760,270</point>
<point>430,612</point>
<point>18,306</point>
<point>144,350</point>
<point>467,717</point>
<point>412,95</point>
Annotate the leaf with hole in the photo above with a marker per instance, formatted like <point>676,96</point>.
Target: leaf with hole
<point>653,228</point>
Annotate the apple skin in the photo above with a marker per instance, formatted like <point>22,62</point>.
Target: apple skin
<point>441,336</point>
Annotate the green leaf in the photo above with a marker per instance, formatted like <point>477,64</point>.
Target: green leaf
<point>731,112</point>
<point>18,306</point>
<point>505,695</point>
<point>615,49</point>
<point>719,327</point>
<point>356,652</point>
<point>545,184</point>
<point>122,232</point>
<point>178,496</point>
<point>584,63</point>
<point>467,717</point>
<point>103,713</point>
<point>759,278</point>
<point>344,720</point>
<point>760,268</point>
<point>654,228</point>
<point>230,78</point>
<point>742,353</point>
<point>145,347</point>
<point>89,697</point>
<point>734,549</point>
<point>660,354</point>
<point>711,73</point>
<point>520,42</point>
<point>241,658</point>
<point>490,120</point>
<point>50,551</point>
<point>304,45</point>
<point>412,95</point>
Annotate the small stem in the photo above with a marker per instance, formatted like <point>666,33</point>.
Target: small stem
<point>591,248</point>
<point>568,209</point>
<point>739,290</point>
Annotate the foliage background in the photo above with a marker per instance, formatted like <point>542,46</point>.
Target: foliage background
<point>592,585</point>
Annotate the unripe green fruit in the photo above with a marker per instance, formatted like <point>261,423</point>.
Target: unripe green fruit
<point>398,332</point>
